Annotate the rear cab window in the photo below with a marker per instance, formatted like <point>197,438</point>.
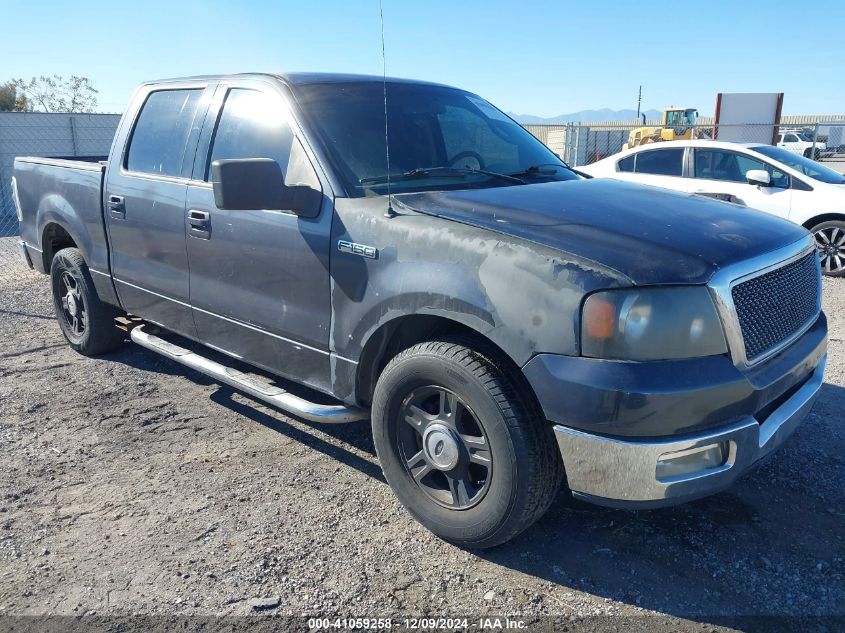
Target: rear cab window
<point>159,139</point>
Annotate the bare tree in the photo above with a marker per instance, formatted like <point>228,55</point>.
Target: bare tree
<point>57,94</point>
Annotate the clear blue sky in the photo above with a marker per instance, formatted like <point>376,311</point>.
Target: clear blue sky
<point>540,57</point>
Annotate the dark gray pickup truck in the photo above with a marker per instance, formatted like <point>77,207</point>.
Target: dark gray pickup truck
<point>506,324</point>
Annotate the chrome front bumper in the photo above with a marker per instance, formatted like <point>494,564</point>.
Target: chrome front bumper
<point>623,473</point>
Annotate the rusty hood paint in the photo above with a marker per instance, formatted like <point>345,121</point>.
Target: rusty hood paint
<point>650,235</point>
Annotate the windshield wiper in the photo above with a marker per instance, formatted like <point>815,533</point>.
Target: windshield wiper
<point>537,170</point>
<point>534,170</point>
<point>422,172</point>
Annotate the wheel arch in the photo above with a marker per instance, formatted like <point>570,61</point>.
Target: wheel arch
<point>402,332</point>
<point>825,217</point>
<point>54,237</point>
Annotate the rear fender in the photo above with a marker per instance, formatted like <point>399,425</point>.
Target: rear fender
<point>56,210</point>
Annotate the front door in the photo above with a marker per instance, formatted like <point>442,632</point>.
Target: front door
<point>720,173</point>
<point>259,278</point>
<point>144,204</point>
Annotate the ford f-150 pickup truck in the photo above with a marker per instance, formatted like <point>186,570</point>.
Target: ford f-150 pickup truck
<point>410,254</point>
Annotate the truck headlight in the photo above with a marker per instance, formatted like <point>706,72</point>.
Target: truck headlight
<point>651,324</point>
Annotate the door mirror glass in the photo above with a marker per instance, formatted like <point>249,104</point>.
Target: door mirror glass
<point>758,177</point>
<point>243,184</point>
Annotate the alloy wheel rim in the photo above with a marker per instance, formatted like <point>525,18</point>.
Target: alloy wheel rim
<point>73,307</point>
<point>444,447</point>
<point>830,243</point>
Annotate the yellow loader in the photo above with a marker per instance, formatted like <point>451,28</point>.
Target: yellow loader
<point>677,125</point>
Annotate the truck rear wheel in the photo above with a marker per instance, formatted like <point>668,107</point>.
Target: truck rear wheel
<point>86,322</point>
<point>465,450</point>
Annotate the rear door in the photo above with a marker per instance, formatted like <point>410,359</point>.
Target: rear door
<point>145,192</point>
<point>260,278</point>
<point>720,173</point>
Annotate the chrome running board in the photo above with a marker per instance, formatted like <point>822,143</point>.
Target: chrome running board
<point>272,395</point>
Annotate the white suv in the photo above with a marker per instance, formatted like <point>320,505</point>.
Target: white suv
<point>800,143</point>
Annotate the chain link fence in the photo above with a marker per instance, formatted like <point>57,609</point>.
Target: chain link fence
<point>584,143</point>
<point>90,135</point>
<point>59,135</point>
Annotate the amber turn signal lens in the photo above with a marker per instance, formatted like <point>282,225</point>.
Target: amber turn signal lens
<point>599,318</point>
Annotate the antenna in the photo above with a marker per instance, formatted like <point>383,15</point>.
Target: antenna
<point>390,213</point>
<point>639,102</point>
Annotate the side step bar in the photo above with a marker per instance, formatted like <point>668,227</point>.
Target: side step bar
<point>275,396</point>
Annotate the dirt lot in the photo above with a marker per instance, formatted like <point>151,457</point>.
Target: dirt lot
<point>130,485</point>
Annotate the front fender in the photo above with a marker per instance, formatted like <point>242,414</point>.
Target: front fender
<point>523,297</point>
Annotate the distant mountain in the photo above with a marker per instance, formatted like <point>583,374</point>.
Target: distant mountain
<point>605,114</point>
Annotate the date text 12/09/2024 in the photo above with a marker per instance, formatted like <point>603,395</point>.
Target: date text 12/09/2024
<point>418,624</point>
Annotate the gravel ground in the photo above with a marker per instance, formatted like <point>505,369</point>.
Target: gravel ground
<point>130,485</point>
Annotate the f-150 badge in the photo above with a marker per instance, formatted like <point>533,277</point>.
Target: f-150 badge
<point>352,248</point>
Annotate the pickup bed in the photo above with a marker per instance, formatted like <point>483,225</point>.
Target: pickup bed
<point>507,325</point>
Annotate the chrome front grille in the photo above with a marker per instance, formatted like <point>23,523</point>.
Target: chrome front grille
<point>774,306</point>
<point>767,301</point>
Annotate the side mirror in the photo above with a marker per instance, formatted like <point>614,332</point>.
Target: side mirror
<point>243,184</point>
<point>758,177</point>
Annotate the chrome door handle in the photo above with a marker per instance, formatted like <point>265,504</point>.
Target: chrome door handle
<point>199,223</point>
<point>117,207</point>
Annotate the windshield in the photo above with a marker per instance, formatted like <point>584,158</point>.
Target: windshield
<point>440,138</point>
<point>803,165</point>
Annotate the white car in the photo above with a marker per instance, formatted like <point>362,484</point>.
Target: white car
<point>800,143</point>
<point>763,177</point>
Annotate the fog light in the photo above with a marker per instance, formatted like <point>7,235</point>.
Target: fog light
<point>692,460</point>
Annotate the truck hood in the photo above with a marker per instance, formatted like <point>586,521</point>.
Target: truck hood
<point>650,235</point>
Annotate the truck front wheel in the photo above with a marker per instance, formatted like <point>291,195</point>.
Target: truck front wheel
<point>464,448</point>
<point>86,322</point>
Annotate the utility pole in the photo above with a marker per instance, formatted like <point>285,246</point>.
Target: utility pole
<point>639,101</point>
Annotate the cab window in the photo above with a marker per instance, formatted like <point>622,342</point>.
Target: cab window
<point>252,124</point>
<point>158,141</point>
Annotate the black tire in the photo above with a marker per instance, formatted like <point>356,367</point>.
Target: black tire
<point>525,465</point>
<point>830,242</point>
<point>86,322</point>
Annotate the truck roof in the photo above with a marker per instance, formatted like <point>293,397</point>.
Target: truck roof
<point>302,78</point>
